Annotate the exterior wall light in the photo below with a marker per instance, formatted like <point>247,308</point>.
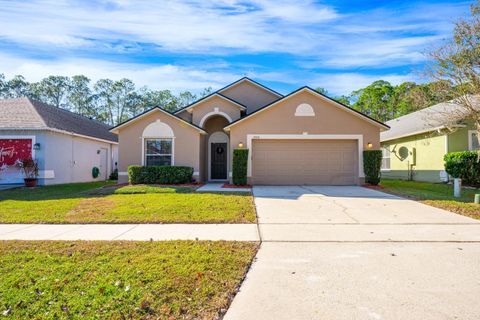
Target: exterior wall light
<point>369,145</point>
<point>36,146</point>
<point>240,145</point>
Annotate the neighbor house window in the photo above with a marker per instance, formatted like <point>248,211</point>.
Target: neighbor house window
<point>158,152</point>
<point>386,158</point>
<point>473,140</point>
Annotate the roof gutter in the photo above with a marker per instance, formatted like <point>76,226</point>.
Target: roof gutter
<point>420,132</point>
<point>62,132</point>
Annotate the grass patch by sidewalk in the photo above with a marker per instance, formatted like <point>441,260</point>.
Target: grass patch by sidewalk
<point>88,203</point>
<point>120,280</point>
<point>435,194</point>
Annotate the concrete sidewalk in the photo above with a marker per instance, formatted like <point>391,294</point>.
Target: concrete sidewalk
<point>142,232</point>
<point>218,187</point>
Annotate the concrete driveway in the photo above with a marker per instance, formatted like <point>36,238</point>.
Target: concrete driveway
<point>356,253</point>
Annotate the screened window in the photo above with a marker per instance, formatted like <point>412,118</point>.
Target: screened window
<point>158,152</point>
<point>474,140</point>
<point>386,158</point>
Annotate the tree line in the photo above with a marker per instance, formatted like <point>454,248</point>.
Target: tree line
<point>383,101</point>
<point>114,101</point>
<point>106,100</point>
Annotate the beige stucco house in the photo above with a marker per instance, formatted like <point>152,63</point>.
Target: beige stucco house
<point>300,138</point>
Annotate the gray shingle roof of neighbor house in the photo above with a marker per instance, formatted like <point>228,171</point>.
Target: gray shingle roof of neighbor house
<point>426,120</point>
<point>29,114</point>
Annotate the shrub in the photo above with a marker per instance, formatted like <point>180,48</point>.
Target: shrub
<point>159,174</point>
<point>113,175</point>
<point>464,165</point>
<point>372,162</point>
<point>239,170</point>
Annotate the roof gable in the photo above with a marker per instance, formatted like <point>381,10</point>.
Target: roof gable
<point>315,93</point>
<point>210,96</point>
<point>156,108</point>
<point>250,81</point>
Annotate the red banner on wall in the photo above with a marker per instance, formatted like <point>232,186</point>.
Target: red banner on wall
<point>13,149</point>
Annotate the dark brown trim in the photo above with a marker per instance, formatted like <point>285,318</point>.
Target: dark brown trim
<point>162,110</point>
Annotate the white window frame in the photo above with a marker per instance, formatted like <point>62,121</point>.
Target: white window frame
<point>470,139</point>
<point>386,148</point>
<point>144,151</point>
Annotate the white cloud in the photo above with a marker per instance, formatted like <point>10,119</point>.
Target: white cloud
<point>305,28</point>
<point>173,25</point>
<point>165,76</point>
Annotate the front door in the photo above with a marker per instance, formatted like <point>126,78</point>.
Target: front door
<point>218,166</point>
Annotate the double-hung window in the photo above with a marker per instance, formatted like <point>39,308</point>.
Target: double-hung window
<point>385,158</point>
<point>473,140</point>
<point>158,152</point>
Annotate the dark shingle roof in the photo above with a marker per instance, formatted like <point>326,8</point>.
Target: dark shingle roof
<point>25,113</point>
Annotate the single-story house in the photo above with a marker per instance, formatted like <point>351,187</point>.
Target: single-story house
<point>300,138</point>
<point>414,147</point>
<point>66,145</point>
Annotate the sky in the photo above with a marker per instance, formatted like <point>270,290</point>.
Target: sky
<point>193,44</point>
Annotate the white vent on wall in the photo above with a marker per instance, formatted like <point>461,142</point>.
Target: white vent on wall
<point>304,110</point>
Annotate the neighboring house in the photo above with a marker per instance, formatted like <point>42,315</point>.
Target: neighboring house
<point>301,138</point>
<point>415,145</point>
<point>67,145</point>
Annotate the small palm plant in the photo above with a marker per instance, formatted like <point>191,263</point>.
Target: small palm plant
<point>29,168</point>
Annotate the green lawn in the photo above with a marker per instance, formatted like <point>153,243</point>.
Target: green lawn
<point>435,194</point>
<point>120,280</point>
<point>103,203</point>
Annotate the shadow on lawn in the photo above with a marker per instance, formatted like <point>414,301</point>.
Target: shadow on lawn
<point>97,190</point>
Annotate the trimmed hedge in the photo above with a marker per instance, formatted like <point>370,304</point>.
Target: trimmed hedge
<point>464,165</point>
<point>113,175</point>
<point>239,170</point>
<point>372,162</point>
<point>159,174</point>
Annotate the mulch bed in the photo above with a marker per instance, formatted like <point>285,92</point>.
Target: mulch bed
<point>369,186</point>
<point>233,186</point>
<point>190,185</point>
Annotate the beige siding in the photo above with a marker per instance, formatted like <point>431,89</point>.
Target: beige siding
<point>250,95</point>
<point>186,143</point>
<point>185,115</point>
<point>207,106</point>
<point>329,119</point>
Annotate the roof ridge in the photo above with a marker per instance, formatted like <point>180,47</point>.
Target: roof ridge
<point>205,98</point>
<point>33,101</point>
<point>29,100</point>
<point>254,82</point>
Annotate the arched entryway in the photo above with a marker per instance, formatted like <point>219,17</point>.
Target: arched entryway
<point>217,149</point>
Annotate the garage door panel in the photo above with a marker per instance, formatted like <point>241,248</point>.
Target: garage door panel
<point>313,162</point>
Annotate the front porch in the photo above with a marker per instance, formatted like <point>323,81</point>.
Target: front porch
<point>216,152</point>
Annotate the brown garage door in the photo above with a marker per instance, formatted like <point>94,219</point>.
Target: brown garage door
<point>311,162</point>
